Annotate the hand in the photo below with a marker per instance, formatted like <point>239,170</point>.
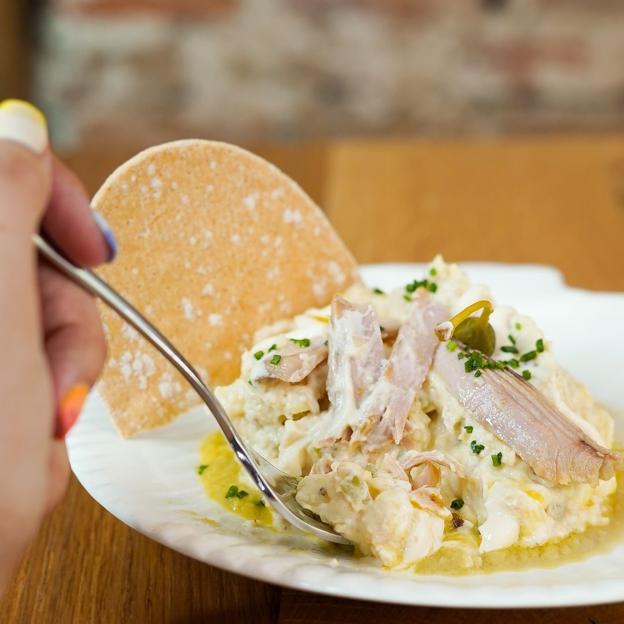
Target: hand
<point>52,342</point>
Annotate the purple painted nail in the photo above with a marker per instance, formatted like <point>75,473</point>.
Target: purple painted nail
<point>107,233</point>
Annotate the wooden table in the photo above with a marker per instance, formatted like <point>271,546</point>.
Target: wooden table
<point>558,201</point>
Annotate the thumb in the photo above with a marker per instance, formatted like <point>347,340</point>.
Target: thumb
<point>25,167</point>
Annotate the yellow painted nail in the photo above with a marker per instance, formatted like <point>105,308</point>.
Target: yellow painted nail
<point>23,123</point>
<point>69,409</point>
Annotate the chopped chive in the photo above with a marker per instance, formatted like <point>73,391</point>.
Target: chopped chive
<point>509,349</point>
<point>201,468</point>
<point>232,491</point>
<point>527,357</point>
<point>378,291</point>
<point>433,272</point>
<point>513,363</point>
<point>272,348</point>
<point>276,359</point>
<point>475,361</point>
<point>412,286</point>
<point>478,373</point>
<point>407,297</point>
<point>497,459</point>
<point>241,494</point>
<point>250,382</point>
<point>301,342</point>
<point>469,428</point>
<point>461,355</point>
<point>457,504</point>
<point>526,374</point>
<point>511,339</point>
<point>451,345</point>
<point>260,503</point>
<point>258,354</point>
<point>539,345</point>
<point>476,447</point>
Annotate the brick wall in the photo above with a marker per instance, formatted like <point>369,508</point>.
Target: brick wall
<point>195,8</point>
<point>140,71</point>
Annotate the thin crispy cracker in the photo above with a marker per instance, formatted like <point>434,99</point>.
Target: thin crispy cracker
<point>215,242</point>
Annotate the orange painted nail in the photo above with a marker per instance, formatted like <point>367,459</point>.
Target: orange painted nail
<point>69,409</point>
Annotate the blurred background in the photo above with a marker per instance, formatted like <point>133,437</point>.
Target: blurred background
<point>143,71</point>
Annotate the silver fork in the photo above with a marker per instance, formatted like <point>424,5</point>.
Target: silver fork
<point>278,488</point>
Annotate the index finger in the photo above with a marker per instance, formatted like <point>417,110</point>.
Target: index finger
<point>79,232</point>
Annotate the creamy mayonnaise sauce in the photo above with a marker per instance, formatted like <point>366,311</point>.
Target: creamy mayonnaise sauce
<point>481,505</point>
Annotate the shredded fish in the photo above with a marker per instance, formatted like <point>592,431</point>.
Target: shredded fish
<point>296,362</point>
<point>390,465</point>
<point>385,413</point>
<point>370,395</point>
<point>425,475</point>
<point>515,412</point>
<point>411,458</point>
<point>355,361</point>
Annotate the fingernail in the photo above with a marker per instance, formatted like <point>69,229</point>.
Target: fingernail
<point>107,233</point>
<point>23,123</point>
<point>69,409</point>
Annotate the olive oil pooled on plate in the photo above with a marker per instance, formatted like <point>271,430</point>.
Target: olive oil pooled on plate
<point>220,475</point>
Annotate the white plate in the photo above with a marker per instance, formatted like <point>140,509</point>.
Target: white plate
<point>150,482</point>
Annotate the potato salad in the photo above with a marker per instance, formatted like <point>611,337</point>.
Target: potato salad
<point>427,417</point>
